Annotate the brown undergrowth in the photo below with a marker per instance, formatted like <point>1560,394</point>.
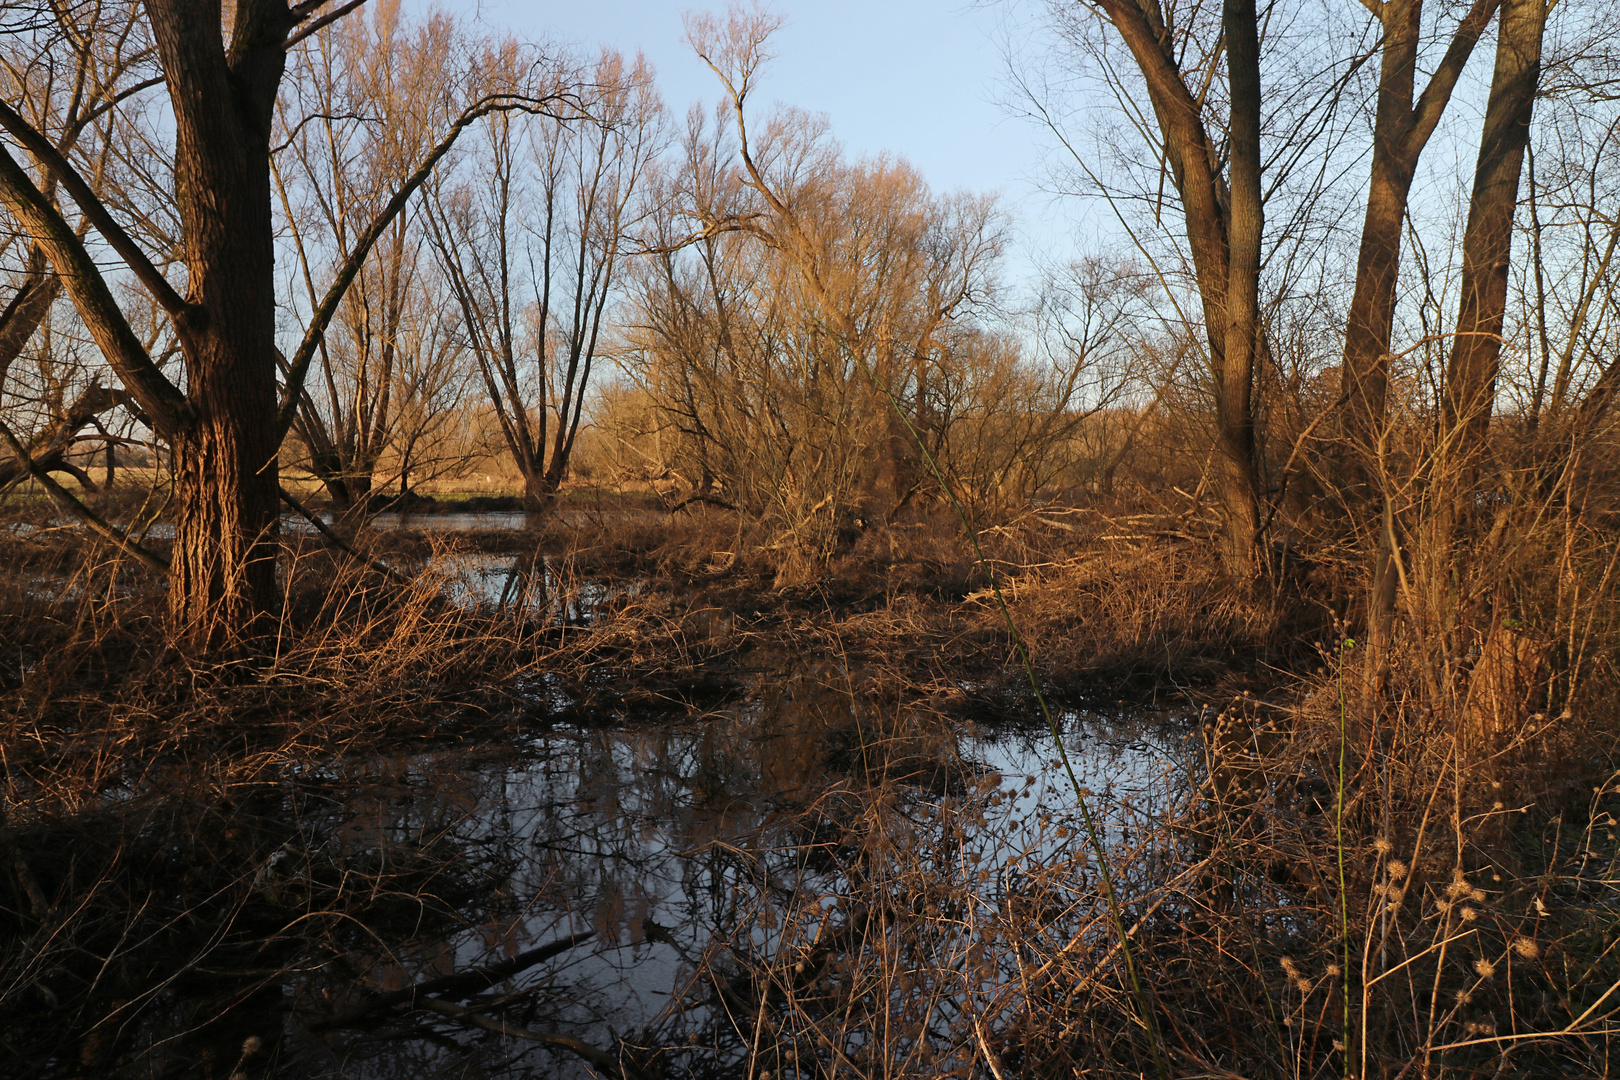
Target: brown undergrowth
<point>1312,886</point>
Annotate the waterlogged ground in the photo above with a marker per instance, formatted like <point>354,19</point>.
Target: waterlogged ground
<point>688,891</point>
<point>663,841</point>
<point>687,856</point>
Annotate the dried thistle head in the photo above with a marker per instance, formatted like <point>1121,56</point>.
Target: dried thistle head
<point>1383,846</point>
<point>1396,868</point>
<point>1526,948</point>
<point>1484,967</point>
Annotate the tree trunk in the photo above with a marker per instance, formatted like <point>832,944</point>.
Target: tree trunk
<point>539,489</point>
<point>223,570</point>
<point>1488,238</point>
<point>1234,406</point>
<point>1206,206</point>
<point>225,472</point>
<point>1364,376</point>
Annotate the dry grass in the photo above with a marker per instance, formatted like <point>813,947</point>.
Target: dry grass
<point>1317,886</point>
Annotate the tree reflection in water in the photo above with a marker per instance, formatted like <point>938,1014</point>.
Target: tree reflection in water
<point>791,884</point>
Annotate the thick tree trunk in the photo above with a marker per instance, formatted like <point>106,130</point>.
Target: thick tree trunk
<point>1364,376</point>
<point>226,481</point>
<point>223,569</point>
<point>1365,388</point>
<point>539,489</point>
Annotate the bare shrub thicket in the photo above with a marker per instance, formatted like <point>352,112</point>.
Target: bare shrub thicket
<point>806,357</point>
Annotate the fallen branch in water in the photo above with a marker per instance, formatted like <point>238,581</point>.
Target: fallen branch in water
<point>460,985</point>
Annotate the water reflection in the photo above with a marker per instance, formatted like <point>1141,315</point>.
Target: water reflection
<point>531,584</point>
<point>686,859</point>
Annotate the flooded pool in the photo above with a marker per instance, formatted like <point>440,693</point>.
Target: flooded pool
<point>678,863</point>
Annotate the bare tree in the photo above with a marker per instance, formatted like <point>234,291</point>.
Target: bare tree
<point>224,424</point>
<point>807,321</point>
<point>881,268</point>
<point>362,105</point>
<point>531,236</point>
<point>1402,127</point>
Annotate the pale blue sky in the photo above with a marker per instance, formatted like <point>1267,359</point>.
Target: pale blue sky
<point>914,78</point>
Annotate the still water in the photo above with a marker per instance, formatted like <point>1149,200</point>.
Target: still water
<point>711,877</point>
<point>684,854</point>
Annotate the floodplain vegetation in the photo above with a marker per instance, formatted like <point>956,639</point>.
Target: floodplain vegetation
<point>662,519</point>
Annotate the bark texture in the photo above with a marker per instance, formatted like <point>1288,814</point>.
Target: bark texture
<point>226,487</point>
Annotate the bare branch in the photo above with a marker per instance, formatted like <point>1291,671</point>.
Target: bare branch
<point>1432,102</point>
<point>91,206</point>
<point>159,398</point>
<point>303,11</point>
<point>298,366</point>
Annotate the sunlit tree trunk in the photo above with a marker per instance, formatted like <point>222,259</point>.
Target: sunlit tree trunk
<point>225,477</point>
<point>1227,277</point>
<point>1488,238</point>
<point>1234,382</point>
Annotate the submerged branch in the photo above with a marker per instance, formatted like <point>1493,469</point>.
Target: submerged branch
<point>460,985</point>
